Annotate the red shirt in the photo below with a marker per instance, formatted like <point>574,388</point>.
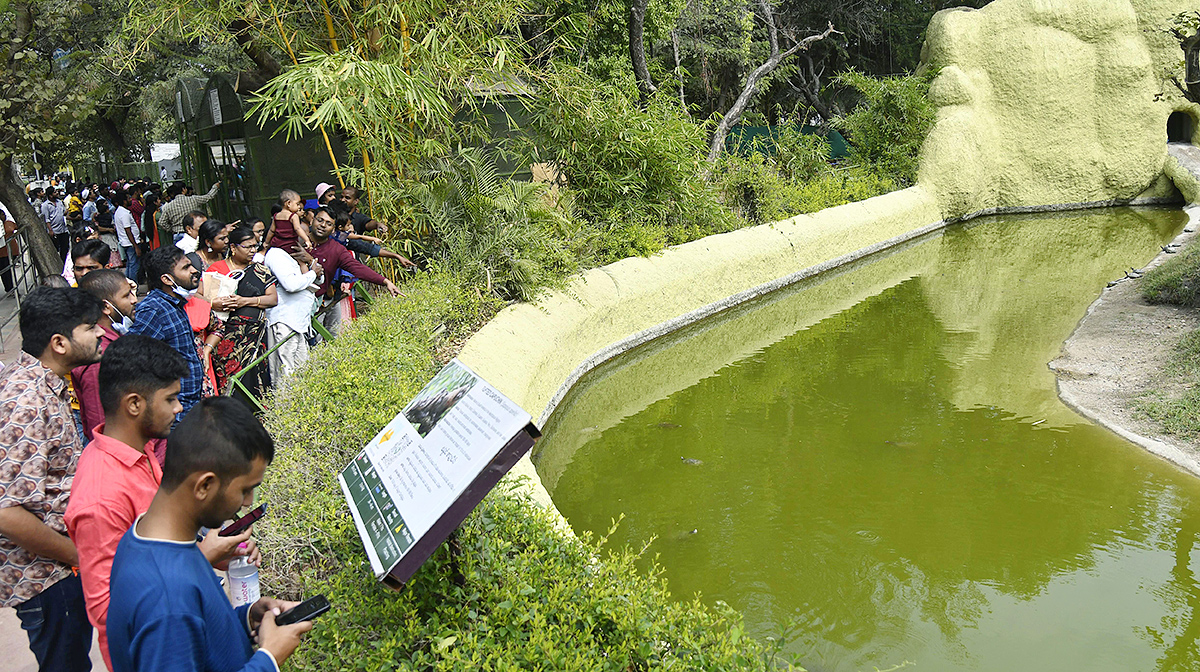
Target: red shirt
<point>87,387</point>
<point>333,255</point>
<point>114,484</point>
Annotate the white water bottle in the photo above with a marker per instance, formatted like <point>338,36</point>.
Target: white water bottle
<point>243,581</point>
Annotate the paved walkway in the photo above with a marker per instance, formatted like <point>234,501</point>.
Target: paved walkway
<point>1188,156</point>
<point>14,646</point>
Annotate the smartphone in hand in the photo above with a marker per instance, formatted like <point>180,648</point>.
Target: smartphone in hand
<point>305,611</point>
<point>237,526</point>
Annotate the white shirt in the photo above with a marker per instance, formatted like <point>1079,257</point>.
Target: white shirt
<point>187,244</point>
<point>123,218</point>
<point>296,300</point>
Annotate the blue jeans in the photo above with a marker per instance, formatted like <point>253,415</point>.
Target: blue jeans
<point>56,622</point>
<point>132,261</point>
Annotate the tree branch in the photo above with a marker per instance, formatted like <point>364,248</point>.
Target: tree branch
<point>743,100</point>
<point>249,81</point>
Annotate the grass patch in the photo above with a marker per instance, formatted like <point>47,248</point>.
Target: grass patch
<point>1177,281</point>
<point>1178,413</point>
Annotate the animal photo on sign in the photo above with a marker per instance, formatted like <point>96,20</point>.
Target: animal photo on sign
<point>436,399</point>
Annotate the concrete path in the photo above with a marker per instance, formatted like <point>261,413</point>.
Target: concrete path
<point>1188,156</point>
<point>14,646</point>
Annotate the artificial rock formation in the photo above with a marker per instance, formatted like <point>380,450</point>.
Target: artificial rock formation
<point>1046,102</point>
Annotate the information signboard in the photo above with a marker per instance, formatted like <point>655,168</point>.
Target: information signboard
<point>417,480</point>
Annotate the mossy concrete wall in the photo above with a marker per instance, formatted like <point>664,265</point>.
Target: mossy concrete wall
<point>1041,103</point>
<point>533,353</point>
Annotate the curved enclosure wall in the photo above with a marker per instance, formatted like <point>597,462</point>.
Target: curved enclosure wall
<point>1042,103</point>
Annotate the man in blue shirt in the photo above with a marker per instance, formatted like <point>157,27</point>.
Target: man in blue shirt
<point>167,610</point>
<point>172,279</point>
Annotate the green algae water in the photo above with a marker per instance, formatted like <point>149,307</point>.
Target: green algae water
<point>880,458</point>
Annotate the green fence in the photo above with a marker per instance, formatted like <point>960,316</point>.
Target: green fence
<point>109,171</point>
<point>746,140</point>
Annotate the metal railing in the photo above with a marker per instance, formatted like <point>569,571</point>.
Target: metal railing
<point>19,277</point>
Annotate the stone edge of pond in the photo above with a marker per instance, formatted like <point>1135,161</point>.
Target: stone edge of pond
<point>535,353</point>
<point>1102,396</point>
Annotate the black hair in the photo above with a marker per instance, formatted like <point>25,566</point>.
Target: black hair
<point>276,208</point>
<point>54,281</point>
<point>189,220</point>
<point>337,207</point>
<point>104,284</point>
<point>120,197</point>
<point>240,235</point>
<point>209,230</point>
<point>358,193</point>
<point>160,262</point>
<point>175,189</point>
<point>96,249</point>
<point>138,364</point>
<point>219,434</point>
<point>81,232</point>
<point>47,311</point>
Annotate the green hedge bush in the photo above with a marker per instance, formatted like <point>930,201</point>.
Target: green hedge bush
<point>516,591</point>
<point>633,174</point>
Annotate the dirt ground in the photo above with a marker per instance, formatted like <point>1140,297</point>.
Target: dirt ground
<point>1118,352</point>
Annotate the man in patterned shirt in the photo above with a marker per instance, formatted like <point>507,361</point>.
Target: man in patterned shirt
<point>172,278</point>
<point>39,449</point>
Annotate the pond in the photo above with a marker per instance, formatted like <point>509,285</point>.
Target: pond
<point>879,457</point>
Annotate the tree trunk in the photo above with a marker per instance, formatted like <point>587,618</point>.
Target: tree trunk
<point>810,90</point>
<point>249,81</point>
<point>637,50</point>
<point>29,223</point>
<point>743,100</point>
<point>116,139</point>
<point>678,69</point>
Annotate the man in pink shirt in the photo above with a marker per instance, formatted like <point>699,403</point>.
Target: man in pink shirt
<point>119,299</point>
<point>118,475</point>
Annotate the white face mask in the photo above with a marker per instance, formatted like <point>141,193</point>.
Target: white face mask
<point>126,322</point>
<point>183,293</point>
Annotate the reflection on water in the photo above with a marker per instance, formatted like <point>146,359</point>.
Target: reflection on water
<point>882,457</point>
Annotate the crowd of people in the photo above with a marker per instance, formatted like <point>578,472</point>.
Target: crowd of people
<point>120,535</point>
<point>235,290</point>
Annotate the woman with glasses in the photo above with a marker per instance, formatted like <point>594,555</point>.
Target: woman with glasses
<point>244,336</point>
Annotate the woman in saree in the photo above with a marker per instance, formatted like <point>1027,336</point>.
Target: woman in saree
<point>244,336</point>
